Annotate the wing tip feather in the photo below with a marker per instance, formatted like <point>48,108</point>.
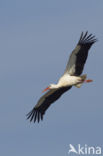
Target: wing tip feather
<point>35,115</point>
<point>87,39</point>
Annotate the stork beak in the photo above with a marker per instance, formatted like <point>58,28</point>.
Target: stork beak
<point>46,89</point>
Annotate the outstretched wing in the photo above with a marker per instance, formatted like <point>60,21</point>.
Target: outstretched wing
<point>44,102</point>
<point>79,55</point>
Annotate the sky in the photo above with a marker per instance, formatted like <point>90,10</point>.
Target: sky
<point>36,39</point>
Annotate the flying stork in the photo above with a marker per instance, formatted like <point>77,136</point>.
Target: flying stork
<point>71,77</point>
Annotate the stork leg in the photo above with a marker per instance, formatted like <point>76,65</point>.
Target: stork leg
<point>89,80</point>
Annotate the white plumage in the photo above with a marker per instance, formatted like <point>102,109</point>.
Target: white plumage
<point>71,77</point>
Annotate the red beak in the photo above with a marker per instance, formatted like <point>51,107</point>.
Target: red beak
<point>45,89</point>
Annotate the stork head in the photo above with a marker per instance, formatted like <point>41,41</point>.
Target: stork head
<point>51,86</point>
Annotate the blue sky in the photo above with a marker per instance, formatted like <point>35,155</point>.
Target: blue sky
<point>36,39</point>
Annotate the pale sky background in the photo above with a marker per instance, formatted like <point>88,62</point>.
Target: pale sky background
<point>36,39</point>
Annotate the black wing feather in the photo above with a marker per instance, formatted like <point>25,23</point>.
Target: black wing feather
<point>79,55</point>
<point>85,43</point>
<point>45,101</point>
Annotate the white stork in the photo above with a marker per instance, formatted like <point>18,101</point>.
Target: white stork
<point>71,77</point>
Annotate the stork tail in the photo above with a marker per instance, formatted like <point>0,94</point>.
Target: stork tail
<point>83,78</point>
